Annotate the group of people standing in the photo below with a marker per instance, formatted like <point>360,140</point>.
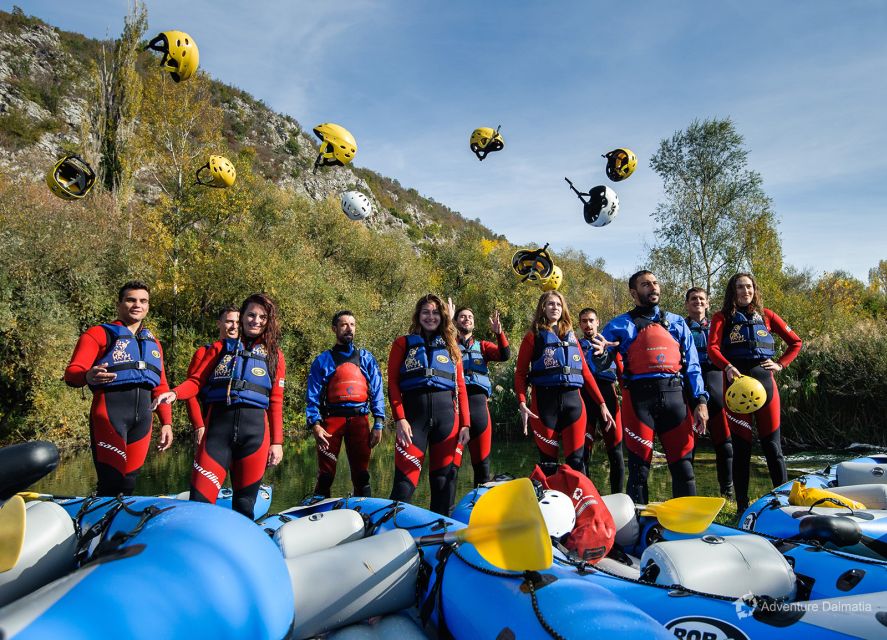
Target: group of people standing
<point>671,370</point>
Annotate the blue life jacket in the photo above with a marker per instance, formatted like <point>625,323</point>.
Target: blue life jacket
<point>748,338</point>
<point>700,339</point>
<point>474,365</point>
<point>240,376</point>
<point>556,362</point>
<point>427,365</point>
<point>607,375</point>
<point>134,358</point>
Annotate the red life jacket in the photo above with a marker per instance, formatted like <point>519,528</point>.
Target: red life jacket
<point>594,533</point>
<point>654,350</point>
<point>347,384</point>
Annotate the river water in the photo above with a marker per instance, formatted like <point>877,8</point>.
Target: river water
<point>169,471</point>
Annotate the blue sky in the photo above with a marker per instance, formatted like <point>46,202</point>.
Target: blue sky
<point>805,84</point>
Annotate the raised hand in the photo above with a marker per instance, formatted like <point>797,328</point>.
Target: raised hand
<point>495,323</point>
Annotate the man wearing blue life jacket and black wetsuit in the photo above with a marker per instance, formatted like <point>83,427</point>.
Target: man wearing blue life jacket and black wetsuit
<point>344,387</point>
<point>659,358</point>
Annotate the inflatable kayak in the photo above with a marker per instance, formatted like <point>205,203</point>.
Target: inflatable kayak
<point>727,584</point>
<point>459,593</point>
<point>149,568</point>
<point>843,507</point>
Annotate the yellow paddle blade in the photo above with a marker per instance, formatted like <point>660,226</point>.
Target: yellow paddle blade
<point>12,532</point>
<point>507,529</point>
<point>689,514</point>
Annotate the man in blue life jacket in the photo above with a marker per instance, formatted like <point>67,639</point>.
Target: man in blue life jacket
<point>659,358</point>
<point>344,387</point>
<point>122,362</point>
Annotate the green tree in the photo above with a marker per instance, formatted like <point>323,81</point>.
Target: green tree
<point>179,127</point>
<point>116,95</point>
<point>712,201</point>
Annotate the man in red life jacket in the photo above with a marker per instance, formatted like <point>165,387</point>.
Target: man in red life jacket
<point>122,362</point>
<point>344,387</point>
<point>659,359</point>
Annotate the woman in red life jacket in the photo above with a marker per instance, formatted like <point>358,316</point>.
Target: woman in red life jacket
<point>740,342</point>
<point>550,359</point>
<point>426,389</point>
<point>242,382</point>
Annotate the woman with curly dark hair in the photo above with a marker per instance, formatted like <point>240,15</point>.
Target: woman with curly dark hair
<point>740,342</point>
<point>242,380</point>
<point>426,389</point>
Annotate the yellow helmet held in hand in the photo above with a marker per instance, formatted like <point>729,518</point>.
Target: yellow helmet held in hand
<point>532,265</point>
<point>71,178</point>
<point>337,146</point>
<point>222,173</point>
<point>486,140</point>
<point>180,55</point>
<point>552,282</point>
<point>621,163</point>
<point>745,395</point>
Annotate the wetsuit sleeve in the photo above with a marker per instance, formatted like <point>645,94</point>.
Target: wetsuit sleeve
<point>377,397</point>
<point>199,377</point>
<point>499,352</point>
<point>91,344</point>
<point>464,412</point>
<point>692,370</point>
<point>715,337</point>
<point>275,406</point>
<point>313,390</point>
<point>591,384</point>
<point>778,326</point>
<point>395,359</point>
<point>195,415</point>
<point>163,411</point>
<point>522,368</point>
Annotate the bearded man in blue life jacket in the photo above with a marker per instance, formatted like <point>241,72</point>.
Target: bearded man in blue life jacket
<point>660,361</point>
<point>344,387</point>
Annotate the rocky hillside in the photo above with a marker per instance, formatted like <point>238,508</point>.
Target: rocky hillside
<point>44,87</point>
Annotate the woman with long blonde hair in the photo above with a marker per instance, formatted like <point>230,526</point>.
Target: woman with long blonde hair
<point>426,389</point>
<point>550,361</point>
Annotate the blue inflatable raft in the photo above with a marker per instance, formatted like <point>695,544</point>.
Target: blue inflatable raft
<point>459,593</point>
<point>727,584</point>
<point>852,530</point>
<point>148,568</point>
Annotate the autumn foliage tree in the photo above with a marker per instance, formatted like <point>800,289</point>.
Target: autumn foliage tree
<point>712,202</point>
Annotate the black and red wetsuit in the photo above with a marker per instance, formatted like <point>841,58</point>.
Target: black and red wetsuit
<point>479,391</point>
<point>723,338</point>
<point>559,405</point>
<point>239,431</point>
<point>344,387</point>
<point>595,427</point>
<point>120,417</point>
<point>195,409</point>
<point>717,419</point>
<point>436,415</point>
